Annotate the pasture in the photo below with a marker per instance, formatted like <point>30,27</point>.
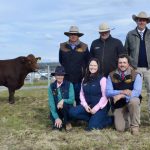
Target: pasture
<point>25,126</point>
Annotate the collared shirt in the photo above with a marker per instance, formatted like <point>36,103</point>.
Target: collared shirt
<point>59,84</point>
<point>73,45</point>
<point>139,31</point>
<point>137,88</point>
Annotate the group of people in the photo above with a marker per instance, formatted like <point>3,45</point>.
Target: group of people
<point>108,77</point>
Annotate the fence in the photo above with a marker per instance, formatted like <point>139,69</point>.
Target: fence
<point>42,77</point>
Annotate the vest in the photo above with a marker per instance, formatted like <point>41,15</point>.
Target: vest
<point>64,89</point>
<point>142,60</point>
<point>127,83</point>
<point>119,84</point>
<point>92,91</point>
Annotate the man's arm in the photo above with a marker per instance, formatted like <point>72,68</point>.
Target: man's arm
<point>92,50</point>
<point>87,56</point>
<point>137,87</point>
<point>126,46</point>
<point>110,92</point>
<point>120,48</point>
<point>60,57</point>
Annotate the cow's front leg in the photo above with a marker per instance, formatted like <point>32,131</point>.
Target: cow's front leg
<point>11,96</point>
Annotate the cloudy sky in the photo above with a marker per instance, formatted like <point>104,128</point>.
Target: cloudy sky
<point>38,26</point>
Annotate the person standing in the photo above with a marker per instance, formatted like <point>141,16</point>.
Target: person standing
<point>106,49</point>
<point>124,86</point>
<point>137,45</point>
<point>74,55</point>
<point>94,104</point>
<point>61,99</point>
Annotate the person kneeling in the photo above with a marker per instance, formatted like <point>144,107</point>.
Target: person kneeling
<point>94,104</point>
<point>124,86</point>
<point>61,99</point>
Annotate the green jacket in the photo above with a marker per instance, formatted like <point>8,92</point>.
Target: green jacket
<point>52,100</point>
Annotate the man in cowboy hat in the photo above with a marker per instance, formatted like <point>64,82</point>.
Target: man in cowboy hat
<point>106,49</point>
<point>138,46</point>
<point>61,99</point>
<point>74,56</point>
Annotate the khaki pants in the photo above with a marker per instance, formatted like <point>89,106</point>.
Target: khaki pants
<point>128,116</point>
<point>146,77</point>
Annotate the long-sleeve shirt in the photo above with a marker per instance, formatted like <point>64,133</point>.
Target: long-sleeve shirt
<point>137,88</point>
<point>103,100</point>
<point>51,101</point>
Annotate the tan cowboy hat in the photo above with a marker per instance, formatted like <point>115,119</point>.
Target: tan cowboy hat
<point>73,30</point>
<point>104,27</point>
<point>143,15</point>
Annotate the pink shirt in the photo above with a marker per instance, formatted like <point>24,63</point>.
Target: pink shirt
<point>103,100</point>
<point>59,84</point>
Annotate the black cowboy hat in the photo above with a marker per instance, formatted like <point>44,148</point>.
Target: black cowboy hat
<point>59,71</point>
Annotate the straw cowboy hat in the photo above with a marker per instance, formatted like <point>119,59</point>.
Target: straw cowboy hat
<point>141,15</point>
<point>74,30</point>
<point>59,71</point>
<point>104,27</point>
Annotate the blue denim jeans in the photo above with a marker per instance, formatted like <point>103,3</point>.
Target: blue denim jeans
<point>99,120</point>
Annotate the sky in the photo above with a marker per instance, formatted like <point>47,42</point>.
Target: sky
<point>37,26</point>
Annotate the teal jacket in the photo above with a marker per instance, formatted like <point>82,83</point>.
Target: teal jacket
<point>65,92</point>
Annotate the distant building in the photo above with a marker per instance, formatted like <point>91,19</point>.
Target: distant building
<point>44,66</point>
<point>42,73</point>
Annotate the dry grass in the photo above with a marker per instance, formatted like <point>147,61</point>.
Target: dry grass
<point>25,126</point>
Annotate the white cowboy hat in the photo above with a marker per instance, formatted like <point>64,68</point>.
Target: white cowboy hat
<point>141,15</point>
<point>104,27</point>
<point>73,30</point>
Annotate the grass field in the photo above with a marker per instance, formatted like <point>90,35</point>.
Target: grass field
<point>25,126</point>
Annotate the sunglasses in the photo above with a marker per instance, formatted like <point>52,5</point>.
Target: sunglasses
<point>142,20</point>
<point>73,34</point>
<point>104,32</point>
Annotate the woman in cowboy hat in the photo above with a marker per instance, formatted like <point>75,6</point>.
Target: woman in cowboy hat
<point>137,45</point>
<point>73,56</point>
<point>61,99</point>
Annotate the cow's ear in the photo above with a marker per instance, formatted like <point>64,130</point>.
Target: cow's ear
<point>23,59</point>
<point>28,59</point>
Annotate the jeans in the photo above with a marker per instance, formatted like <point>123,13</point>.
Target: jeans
<point>99,120</point>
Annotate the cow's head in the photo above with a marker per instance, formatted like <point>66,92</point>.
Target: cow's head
<point>31,63</point>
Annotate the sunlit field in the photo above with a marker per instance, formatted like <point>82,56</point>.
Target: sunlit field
<point>25,126</point>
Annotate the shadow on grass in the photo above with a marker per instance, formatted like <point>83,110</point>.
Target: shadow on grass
<point>3,100</point>
<point>41,116</point>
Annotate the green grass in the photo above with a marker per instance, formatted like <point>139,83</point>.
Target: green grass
<point>25,126</point>
<point>36,83</point>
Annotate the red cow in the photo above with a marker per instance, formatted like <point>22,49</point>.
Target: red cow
<point>14,71</point>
